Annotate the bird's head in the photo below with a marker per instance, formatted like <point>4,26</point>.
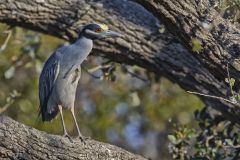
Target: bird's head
<point>98,31</point>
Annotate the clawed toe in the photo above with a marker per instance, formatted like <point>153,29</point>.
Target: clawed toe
<point>67,136</point>
<point>83,139</point>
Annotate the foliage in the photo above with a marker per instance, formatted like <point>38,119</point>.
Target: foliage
<point>216,139</point>
<point>196,45</point>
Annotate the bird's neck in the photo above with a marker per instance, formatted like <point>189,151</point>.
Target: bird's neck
<point>83,40</point>
<point>80,49</point>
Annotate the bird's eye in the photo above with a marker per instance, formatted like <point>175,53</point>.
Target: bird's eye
<point>98,30</point>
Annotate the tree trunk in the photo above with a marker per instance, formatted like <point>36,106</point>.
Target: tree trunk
<point>18,141</point>
<point>143,45</point>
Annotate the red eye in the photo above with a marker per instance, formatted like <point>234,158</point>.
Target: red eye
<point>98,30</point>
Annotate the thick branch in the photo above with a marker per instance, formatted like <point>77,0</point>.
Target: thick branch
<point>194,20</point>
<point>18,141</point>
<point>189,20</point>
<point>142,45</point>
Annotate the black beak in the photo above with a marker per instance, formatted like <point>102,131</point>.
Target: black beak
<point>110,33</point>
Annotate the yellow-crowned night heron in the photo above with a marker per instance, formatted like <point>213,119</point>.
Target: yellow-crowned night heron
<point>62,71</point>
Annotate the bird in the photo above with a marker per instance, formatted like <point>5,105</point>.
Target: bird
<point>62,71</point>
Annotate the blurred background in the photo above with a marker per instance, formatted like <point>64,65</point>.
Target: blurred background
<point>117,104</point>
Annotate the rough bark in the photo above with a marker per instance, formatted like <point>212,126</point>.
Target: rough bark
<point>18,141</point>
<point>142,45</point>
<point>192,19</point>
<point>220,39</point>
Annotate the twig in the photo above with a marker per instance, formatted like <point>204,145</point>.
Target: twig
<point>228,74</point>
<point>92,70</point>
<point>232,146</point>
<point>12,97</point>
<point>215,97</point>
<point>98,67</point>
<point>134,74</point>
<point>107,65</point>
<point>4,45</point>
<point>5,107</point>
<point>137,76</point>
<point>208,139</point>
<point>91,74</point>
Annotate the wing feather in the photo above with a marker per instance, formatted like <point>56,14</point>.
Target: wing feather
<point>47,79</point>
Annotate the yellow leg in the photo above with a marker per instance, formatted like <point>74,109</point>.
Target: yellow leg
<point>63,124</point>
<point>74,117</point>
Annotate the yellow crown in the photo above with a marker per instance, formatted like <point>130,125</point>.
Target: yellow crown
<point>103,26</point>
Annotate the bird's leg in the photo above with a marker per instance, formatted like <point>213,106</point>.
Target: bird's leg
<point>79,133</point>
<point>63,124</point>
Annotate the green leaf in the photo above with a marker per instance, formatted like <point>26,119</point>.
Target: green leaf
<point>172,139</point>
<point>161,29</point>
<point>231,82</point>
<point>229,142</point>
<point>191,133</point>
<point>226,80</point>
<point>9,73</point>
<point>238,96</point>
<point>196,45</point>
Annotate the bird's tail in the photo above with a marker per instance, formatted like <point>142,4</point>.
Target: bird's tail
<point>46,116</point>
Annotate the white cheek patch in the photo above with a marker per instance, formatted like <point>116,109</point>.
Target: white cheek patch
<point>104,27</point>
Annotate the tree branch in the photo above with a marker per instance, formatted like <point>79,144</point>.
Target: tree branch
<point>220,41</point>
<point>18,141</point>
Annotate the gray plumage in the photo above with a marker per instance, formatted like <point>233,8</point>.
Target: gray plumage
<point>62,71</point>
<point>59,78</point>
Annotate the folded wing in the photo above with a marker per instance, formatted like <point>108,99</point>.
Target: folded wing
<point>47,80</point>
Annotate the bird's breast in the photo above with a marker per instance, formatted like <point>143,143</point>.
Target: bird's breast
<point>75,76</point>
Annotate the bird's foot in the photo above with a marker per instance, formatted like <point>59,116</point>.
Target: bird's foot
<point>67,136</point>
<point>83,139</point>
